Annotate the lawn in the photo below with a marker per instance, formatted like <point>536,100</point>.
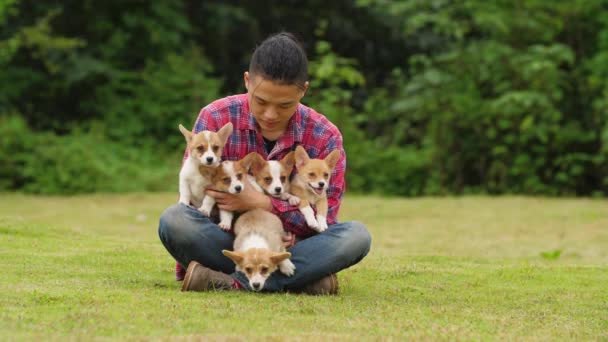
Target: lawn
<point>470,268</point>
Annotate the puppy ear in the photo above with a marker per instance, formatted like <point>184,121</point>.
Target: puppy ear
<point>249,160</point>
<point>332,159</point>
<point>257,162</point>
<point>301,157</point>
<point>187,134</point>
<point>225,132</point>
<point>288,161</point>
<point>278,257</point>
<point>237,257</point>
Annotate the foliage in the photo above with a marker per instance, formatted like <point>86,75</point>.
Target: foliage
<point>46,163</point>
<point>432,97</point>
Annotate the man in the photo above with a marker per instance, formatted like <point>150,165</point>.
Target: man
<point>270,120</point>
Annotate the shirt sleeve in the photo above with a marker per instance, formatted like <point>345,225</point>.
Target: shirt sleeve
<point>292,218</point>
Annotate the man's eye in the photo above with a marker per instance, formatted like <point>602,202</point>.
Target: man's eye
<point>215,148</point>
<point>268,180</point>
<point>226,180</point>
<point>284,106</point>
<point>283,178</point>
<point>201,149</point>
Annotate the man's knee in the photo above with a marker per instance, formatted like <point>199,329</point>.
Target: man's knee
<point>174,223</point>
<point>354,238</point>
<point>360,236</point>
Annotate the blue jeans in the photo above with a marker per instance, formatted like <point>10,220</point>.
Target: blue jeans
<point>189,235</point>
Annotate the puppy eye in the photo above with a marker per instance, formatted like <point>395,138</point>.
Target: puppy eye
<point>326,175</point>
<point>239,176</point>
<point>248,270</point>
<point>215,148</point>
<point>263,270</point>
<point>226,180</point>
<point>201,149</point>
<point>268,180</point>
<point>283,178</point>
<point>312,174</point>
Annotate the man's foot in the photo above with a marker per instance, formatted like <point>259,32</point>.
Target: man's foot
<point>201,278</point>
<point>324,286</point>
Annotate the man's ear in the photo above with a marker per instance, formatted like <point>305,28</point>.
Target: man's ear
<point>237,257</point>
<point>187,134</point>
<point>278,257</point>
<point>301,157</point>
<point>246,79</point>
<point>306,84</point>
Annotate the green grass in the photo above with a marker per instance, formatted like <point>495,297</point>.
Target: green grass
<point>471,268</point>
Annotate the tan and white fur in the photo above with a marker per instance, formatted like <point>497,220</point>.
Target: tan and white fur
<point>258,247</point>
<point>204,155</point>
<point>229,176</point>
<point>310,185</point>
<point>272,177</point>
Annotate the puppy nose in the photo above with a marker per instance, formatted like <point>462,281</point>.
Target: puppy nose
<point>209,160</point>
<point>256,285</point>
<point>278,189</point>
<point>321,184</point>
<point>237,188</point>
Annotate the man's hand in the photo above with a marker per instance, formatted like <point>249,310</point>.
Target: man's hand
<point>246,200</point>
<point>289,239</point>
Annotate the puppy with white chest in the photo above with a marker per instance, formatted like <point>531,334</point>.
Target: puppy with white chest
<point>230,177</point>
<point>258,247</point>
<point>310,185</point>
<point>204,153</point>
<point>272,176</point>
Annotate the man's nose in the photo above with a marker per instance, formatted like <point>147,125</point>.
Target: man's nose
<point>270,113</point>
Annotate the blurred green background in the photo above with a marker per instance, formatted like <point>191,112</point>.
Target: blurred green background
<point>432,97</point>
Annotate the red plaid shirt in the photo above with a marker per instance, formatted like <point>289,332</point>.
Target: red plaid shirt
<point>307,128</point>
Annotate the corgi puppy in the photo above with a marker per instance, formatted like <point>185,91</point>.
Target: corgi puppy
<point>272,177</point>
<point>258,247</point>
<point>204,153</point>
<point>310,185</point>
<point>229,176</point>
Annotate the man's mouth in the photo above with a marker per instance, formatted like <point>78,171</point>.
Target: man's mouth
<point>317,191</point>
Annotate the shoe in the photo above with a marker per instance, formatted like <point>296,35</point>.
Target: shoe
<point>201,278</point>
<point>325,286</point>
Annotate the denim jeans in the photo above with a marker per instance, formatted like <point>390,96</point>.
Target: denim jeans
<point>189,235</point>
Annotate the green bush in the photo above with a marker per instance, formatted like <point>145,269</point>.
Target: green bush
<point>79,163</point>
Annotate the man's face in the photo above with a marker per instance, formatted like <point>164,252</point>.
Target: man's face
<point>272,104</point>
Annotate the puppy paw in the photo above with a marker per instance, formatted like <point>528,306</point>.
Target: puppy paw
<point>294,200</point>
<point>205,211</point>
<point>287,267</point>
<point>322,226</point>
<point>322,223</point>
<point>224,225</point>
<point>313,224</point>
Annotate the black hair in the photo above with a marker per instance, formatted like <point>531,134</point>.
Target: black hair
<point>282,59</point>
